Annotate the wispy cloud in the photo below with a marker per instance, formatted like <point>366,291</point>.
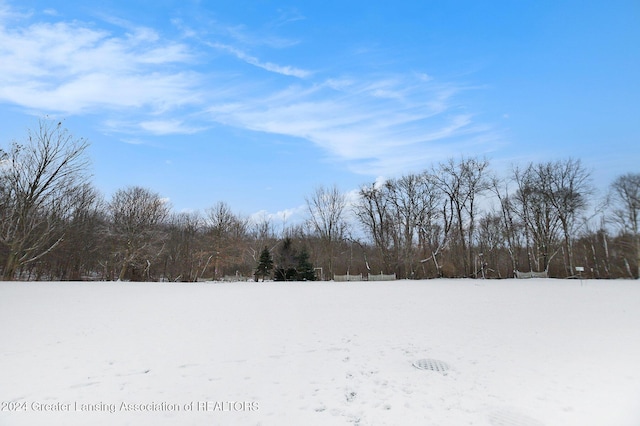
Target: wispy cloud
<point>145,84</point>
<point>168,127</point>
<point>268,66</point>
<point>287,16</point>
<point>375,125</point>
<point>73,69</point>
<point>7,13</point>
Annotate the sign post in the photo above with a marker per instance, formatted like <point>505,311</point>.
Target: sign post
<point>580,270</point>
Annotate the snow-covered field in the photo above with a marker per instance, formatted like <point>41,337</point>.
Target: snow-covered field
<point>529,352</point>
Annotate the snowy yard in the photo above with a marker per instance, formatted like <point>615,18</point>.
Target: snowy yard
<point>525,353</point>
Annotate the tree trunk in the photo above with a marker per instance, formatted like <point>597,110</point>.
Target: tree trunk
<point>123,271</point>
<point>10,266</point>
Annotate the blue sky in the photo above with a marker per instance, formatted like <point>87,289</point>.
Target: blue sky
<point>257,103</point>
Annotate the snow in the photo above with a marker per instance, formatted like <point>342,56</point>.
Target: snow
<point>519,352</point>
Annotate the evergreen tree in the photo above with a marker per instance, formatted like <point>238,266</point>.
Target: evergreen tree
<point>286,269</point>
<point>304,270</point>
<point>265,264</point>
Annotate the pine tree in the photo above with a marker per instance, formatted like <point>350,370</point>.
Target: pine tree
<point>265,264</point>
<point>305,271</point>
<point>286,269</point>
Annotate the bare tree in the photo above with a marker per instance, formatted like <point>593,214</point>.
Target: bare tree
<point>326,208</point>
<point>183,255</point>
<point>512,227</point>
<point>463,182</point>
<point>492,240</point>
<point>262,233</point>
<point>415,206</point>
<point>77,256</point>
<point>226,235</point>
<point>373,211</point>
<point>136,215</point>
<point>40,183</point>
<point>549,200</point>
<point>569,193</point>
<point>625,195</point>
<point>594,242</point>
<point>540,218</point>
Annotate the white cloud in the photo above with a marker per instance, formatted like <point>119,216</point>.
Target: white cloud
<point>268,66</point>
<point>133,141</point>
<point>377,125</point>
<point>144,84</point>
<point>287,16</point>
<point>69,68</point>
<point>280,218</point>
<point>167,127</point>
<point>240,34</point>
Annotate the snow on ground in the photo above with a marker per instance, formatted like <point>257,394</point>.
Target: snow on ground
<point>525,353</point>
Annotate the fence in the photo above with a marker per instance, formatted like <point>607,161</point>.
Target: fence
<point>236,278</point>
<point>382,277</point>
<point>348,277</point>
<point>532,274</point>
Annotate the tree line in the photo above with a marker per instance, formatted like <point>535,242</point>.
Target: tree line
<point>456,218</point>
